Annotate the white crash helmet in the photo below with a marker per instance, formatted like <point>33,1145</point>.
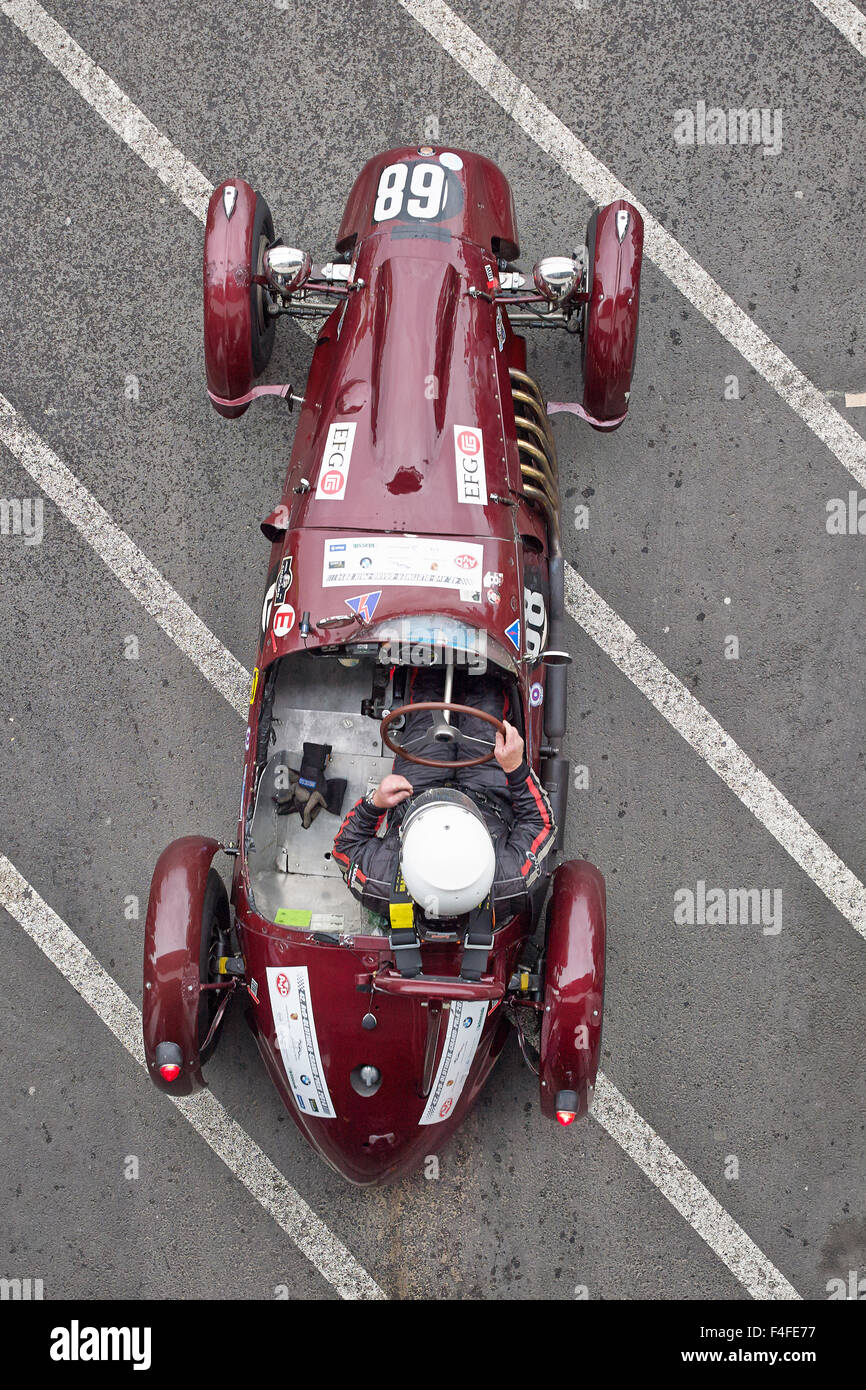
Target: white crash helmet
<point>446,853</point>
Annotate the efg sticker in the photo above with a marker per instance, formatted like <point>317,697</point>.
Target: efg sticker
<point>364,605</point>
<point>500,330</point>
<point>469,462</point>
<point>255,685</point>
<point>536,694</point>
<point>334,472</point>
<point>465,1024</point>
<point>513,633</point>
<point>295,1025</point>
<point>493,579</point>
<point>284,620</point>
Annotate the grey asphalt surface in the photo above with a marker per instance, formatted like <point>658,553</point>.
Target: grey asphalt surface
<point>727,1041</point>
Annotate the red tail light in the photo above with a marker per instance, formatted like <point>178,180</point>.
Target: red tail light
<point>567,1107</point>
<point>169,1060</point>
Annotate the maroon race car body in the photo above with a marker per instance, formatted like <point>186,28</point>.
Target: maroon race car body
<point>420,516</point>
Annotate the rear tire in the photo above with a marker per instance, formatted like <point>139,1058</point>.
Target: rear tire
<point>215,942</point>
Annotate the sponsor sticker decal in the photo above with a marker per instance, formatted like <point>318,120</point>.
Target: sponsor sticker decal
<point>465,1023</point>
<point>364,605</point>
<point>493,597</point>
<point>284,620</point>
<point>289,993</point>
<point>334,471</point>
<point>536,694</point>
<point>513,633</point>
<point>255,684</point>
<point>284,581</point>
<point>500,330</point>
<point>469,462</point>
<point>414,561</point>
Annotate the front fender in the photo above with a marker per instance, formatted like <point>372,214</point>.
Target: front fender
<point>172,941</point>
<point>573,985</point>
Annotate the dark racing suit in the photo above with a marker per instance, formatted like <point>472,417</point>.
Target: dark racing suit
<point>515,806</point>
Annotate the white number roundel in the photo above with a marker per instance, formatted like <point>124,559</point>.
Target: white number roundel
<point>424,198</point>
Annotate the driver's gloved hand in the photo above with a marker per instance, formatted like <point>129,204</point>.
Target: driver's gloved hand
<point>309,790</point>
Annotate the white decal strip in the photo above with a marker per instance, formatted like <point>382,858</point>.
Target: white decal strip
<point>334,470</point>
<point>469,463</point>
<point>241,1155</point>
<point>292,1008</point>
<point>465,1026</point>
<point>553,137</point>
<point>417,561</point>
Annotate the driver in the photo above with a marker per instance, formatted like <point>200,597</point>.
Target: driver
<point>454,834</point>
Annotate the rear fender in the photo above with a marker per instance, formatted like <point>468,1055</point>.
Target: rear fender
<point>228,241</point>
<point>172,941</point>
<point>573,985</point>
<point>615,243</point>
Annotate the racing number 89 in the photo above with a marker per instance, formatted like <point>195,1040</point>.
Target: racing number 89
<point>427,186</point>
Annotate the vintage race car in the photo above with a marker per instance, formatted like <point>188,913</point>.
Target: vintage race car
<point>419,525</point>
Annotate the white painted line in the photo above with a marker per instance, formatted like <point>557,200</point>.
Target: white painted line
<point>241,1155</point>
<point>848,20</point>
<point>124,559</point>
<point>251,1166</point>
<point>855,398</point>
<point>688,1195</point>
<point>642,667</point>
<point>692,281</point>
<point>710,741</point>
<point>548,132</point>
<point>124,117</point>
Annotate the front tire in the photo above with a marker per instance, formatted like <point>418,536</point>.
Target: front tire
<point>262,324</point>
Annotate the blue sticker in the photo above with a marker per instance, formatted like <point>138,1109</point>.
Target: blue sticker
<point>513,633</point>
<point>364,604</point>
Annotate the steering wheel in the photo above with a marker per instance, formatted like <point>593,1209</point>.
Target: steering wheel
<point>454,736</point>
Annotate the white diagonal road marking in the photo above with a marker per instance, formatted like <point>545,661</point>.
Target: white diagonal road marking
<point>241,1155</point>
<point>251,1166</point>
<point>542,126</point>
<point>607,629</point>
<point>712,743</point>
<point>123,558</point>
<point>519,102</point>
<point>613,635</point>
<point>848,20</point>
<point>687,1194</point>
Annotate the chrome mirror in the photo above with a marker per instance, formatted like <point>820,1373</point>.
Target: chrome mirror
<point>287,268</point>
